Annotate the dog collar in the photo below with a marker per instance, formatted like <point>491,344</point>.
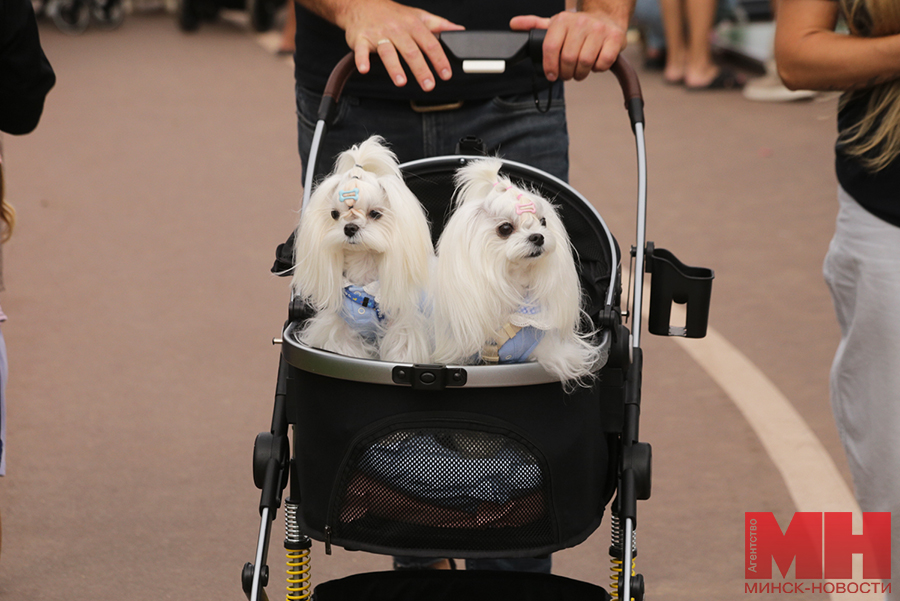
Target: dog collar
<point>357,295</point>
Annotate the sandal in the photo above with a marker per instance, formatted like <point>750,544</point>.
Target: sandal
<point>725,80</point>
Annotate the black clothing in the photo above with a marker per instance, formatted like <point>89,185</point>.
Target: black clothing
<point>320,45</point>
<point>25,73</point>
<point>876,192</point>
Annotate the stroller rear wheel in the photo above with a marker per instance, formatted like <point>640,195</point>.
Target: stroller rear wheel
<point>72,16</point>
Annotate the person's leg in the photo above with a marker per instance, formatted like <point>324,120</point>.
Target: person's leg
<point>542,565</point>
<point>700,69</point>
<point>673,17</point>
<point>356,120</point>
<point>403,562</point>
<point>3,375</point>
<point>862,269</point>
<point>290,30</point>
<point>511,127</point>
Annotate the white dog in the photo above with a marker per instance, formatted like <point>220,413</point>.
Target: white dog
<point>506,288</point>
<point>363,252</point>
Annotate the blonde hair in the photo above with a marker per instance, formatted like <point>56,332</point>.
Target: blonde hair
<point>7,212</point>
<point>875,140</point>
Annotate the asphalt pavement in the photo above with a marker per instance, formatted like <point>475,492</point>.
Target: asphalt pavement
<point>150,200</point>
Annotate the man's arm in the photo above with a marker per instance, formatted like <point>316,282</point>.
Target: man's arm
<point>579,42</point>
<point>393,31</point>
<point>811,55</point>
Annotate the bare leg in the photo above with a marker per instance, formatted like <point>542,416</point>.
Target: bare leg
<point>674,27</point>
<point>700,69</point>
<point>290,29</point>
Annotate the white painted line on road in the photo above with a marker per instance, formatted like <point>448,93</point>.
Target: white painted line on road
<point>809,473</point>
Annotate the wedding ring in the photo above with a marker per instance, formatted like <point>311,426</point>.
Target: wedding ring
<point>382,41</point>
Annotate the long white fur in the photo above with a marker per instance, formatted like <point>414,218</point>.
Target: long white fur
<point>394,250</point>
<point>482,279</point>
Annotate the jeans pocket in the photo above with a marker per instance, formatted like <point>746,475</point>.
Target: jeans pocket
<point>308,103</point>
<point>517,103</point>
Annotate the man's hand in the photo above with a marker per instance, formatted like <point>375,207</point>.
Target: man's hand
<point>394,31</point>
<point>578,43</point>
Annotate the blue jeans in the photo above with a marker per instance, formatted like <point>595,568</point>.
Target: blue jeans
<point>509,126</point>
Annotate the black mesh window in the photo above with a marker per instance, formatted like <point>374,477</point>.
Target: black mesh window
<point>444,488</point>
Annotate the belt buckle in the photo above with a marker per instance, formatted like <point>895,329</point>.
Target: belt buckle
<point>434,108</point>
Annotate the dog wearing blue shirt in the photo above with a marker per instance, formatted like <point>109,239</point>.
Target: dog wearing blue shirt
<point>506,288</point>
<point>362,258</point>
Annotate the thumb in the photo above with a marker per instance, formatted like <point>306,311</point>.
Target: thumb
<point>527,22</point>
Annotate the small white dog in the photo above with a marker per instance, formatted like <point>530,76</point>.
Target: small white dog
<point>363,253</point>
<point>506,288</point>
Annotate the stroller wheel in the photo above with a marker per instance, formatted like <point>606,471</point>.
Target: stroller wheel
<point>188,15</point>
<point>72,16</point>
<point>262,14</point>
<point>109,14</point>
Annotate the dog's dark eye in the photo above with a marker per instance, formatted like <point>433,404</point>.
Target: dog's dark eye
<point>505,230</point>
<point>544,221</point>
<point>374,215</point>
<point>335,214</point>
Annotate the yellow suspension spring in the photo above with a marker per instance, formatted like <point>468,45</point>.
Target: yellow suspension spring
<point>297,545</point>
<point>298,575</point>
<point>615,572</point>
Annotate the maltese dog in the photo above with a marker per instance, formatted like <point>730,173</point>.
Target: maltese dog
<point>363,252</point>
<point>506,288</point>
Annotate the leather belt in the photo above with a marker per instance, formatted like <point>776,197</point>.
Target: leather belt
<point>425,107</point>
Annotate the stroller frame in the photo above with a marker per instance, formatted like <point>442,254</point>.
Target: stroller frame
<point>274,465</point>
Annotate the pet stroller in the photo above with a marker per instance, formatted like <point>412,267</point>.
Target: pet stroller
<point>474,461</point>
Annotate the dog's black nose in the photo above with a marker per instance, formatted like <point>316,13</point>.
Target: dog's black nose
<point>536,239</point>
<point>350,230</point>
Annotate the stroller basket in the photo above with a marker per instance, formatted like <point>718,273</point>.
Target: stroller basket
<point>461,472</point>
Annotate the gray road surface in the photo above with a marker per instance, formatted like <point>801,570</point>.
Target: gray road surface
<point>150,200</point>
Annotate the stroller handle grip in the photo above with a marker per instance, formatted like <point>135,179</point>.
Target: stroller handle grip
<point>479,48</point>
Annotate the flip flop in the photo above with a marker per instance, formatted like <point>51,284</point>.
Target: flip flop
<point>725,80</point>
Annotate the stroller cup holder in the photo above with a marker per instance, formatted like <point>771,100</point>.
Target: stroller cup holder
<point>671,281</point>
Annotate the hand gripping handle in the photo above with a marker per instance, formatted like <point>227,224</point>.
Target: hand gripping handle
<point>480,46</point>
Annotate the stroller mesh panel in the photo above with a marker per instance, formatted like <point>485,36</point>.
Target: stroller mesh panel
<point>448,488</point>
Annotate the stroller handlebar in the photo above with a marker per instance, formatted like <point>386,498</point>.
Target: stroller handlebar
<point>490,52</point>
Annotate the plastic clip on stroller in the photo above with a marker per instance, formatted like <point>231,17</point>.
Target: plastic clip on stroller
<point>456,461</point>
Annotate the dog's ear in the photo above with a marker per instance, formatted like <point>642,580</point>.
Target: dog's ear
<point>556,285</point>
<point>317,271</point>
<point>404,271</point>
<point>469,283</point>
<point>477,179</point>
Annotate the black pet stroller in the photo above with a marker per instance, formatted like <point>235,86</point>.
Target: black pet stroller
<point>475,461</point>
